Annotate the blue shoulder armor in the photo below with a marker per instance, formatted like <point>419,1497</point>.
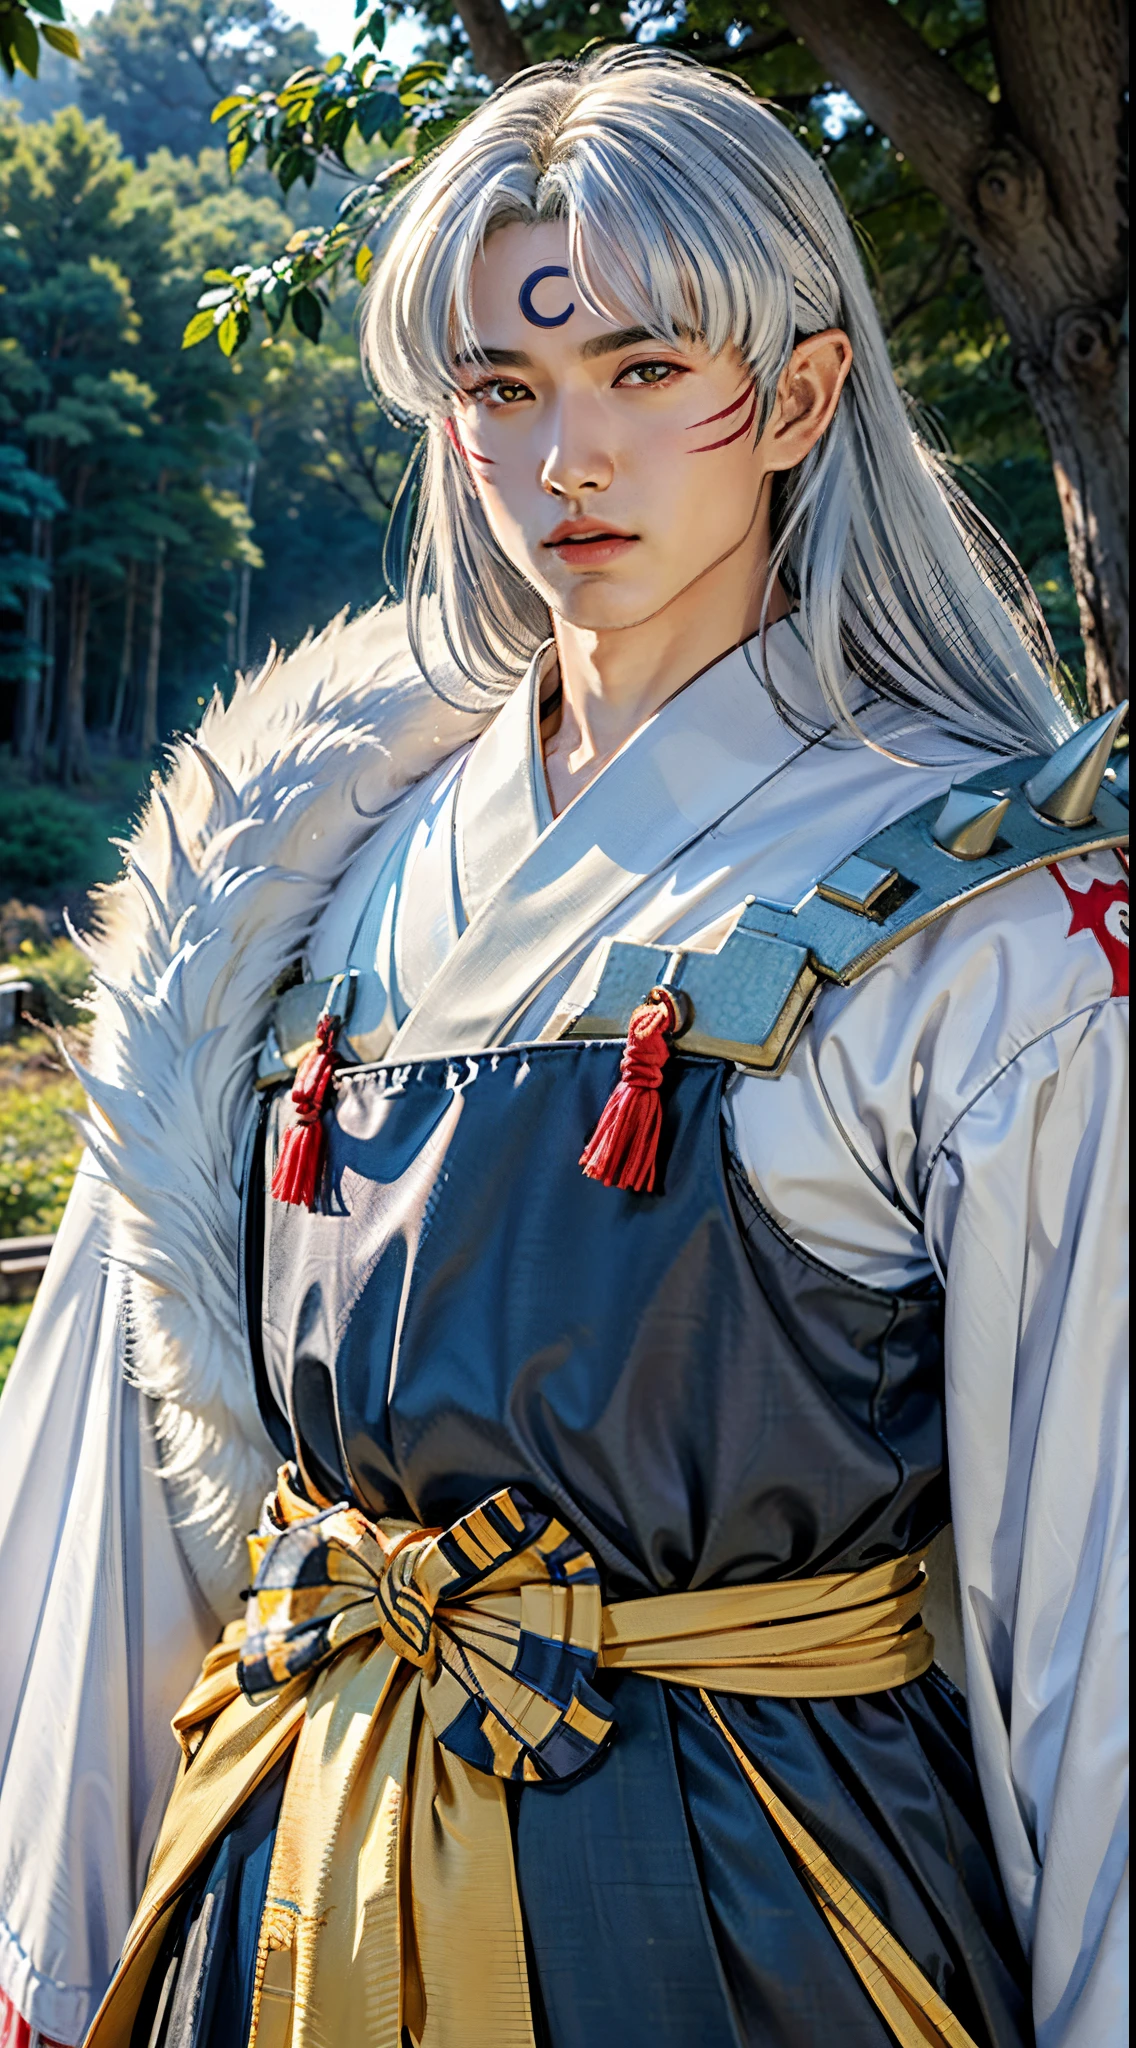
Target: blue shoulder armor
<point>749,1001</point>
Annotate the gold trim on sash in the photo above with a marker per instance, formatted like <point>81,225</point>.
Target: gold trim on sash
<point>392,1898</point>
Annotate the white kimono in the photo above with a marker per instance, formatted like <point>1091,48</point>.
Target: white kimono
<point>959,1110</point>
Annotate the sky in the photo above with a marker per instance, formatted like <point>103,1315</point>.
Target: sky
<point>333,21</point>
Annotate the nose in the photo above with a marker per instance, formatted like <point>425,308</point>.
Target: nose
<point>575,463</point>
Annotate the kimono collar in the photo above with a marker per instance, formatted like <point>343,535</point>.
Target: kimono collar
<point>503,804</point>
<point>530,888</point>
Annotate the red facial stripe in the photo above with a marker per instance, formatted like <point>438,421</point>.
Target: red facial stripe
<point>467,454</point>
<point>746,424</point>
<point>712,418</point>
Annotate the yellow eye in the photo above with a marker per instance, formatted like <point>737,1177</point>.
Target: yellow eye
<point>648,373</point>
<point>500,393</point>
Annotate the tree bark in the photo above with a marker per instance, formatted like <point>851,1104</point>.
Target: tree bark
<point>1034,182</point>
<point>31,680</point>
<point>154,650</point>
<point>246,574</point>
<point>149,738</point>
<point>74,762</point>
<point>47,680</point>
<point>126,658</point>
<point>498,51</point>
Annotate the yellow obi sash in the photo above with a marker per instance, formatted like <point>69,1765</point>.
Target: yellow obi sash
<point>410,1673</point>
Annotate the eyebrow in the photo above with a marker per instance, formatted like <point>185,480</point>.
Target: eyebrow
<point>610,344</point>
<point>600,345</point>
<point>501,358</point>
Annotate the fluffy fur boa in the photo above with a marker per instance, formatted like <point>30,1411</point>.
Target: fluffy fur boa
<point>238,851</point>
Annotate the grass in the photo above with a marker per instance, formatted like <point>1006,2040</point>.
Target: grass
<point>39,1145</point>
<point>13,1316</point>
<point>39,1149</point>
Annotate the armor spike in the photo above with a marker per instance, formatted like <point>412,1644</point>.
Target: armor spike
<point>967,825</point>
<point>1064,790</point>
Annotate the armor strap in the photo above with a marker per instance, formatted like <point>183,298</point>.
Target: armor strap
<point>748,1002</point>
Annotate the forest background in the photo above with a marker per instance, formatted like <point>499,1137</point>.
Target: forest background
<point>166,512</point>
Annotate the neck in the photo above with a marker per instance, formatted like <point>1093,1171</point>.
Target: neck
<point>614,679</point>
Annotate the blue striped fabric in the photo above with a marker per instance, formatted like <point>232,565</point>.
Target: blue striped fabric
<point>501,1613</point>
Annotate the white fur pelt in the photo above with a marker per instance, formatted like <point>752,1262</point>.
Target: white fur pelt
<point>240,846</point>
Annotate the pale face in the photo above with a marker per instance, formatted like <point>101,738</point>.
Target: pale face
<point>616,471</point>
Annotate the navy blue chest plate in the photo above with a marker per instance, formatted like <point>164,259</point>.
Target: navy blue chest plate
<point>702,1402</point>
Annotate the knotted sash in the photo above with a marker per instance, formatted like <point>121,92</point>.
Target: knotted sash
<point>412,1672</point>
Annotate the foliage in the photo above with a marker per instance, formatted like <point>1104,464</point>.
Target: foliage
<point>40,1146</point>
<point>59,973</point>
<point>262,485</point>
<point>13,1316</point>
<point>23,496</point>
<point>153,69</point>
<point>20,34</point>
<point>307,123</point>
<point>55,843</point>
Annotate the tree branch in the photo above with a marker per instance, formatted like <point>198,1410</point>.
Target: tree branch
<point>497,48</point>
<point>940,123</point>
<point>755,43</point>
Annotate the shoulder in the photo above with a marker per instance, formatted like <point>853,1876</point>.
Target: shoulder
<point>1025,955</point>
<point>909,1049</point>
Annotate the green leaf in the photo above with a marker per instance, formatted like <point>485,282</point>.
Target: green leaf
<point>380,111</point>
<point>52,10</point>
<point>274,302</point>
<point>228,106</point>
<point>290,167</point>
<point>62,39</point>
<point>238,151</point>
<point>198,329</point>
<point>335,63</point>
<point>228,333</point>
<point>23,41</point>
<point>307,313</point>
<point>217,277</point>
<point>419,74</point>
<point>364,258</point>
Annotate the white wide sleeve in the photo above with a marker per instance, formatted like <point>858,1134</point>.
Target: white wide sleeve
<point>103,1633</point>
<point>963,1109</point>
<point>1023,1218</point>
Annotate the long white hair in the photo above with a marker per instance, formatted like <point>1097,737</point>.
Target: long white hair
<point>690,209</point>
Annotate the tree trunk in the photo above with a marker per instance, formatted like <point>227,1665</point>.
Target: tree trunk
<point>31,680</point>
<point>126,658</point>
<point>47,681</point>
<point>498,51</point>
<point>74,764</point>
<point>1035,183</point>
<point>246,575</point>
<point>1079,399</point>
<point>154,651</point>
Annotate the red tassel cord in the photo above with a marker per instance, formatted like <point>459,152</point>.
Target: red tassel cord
<point>301,1155</point>
<point>624,1147</point>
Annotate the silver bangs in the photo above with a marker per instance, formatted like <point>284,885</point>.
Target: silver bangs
<point>690,209</point>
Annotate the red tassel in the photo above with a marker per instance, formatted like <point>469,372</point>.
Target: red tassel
<point>624,1146</point>
<point>301,1155</point>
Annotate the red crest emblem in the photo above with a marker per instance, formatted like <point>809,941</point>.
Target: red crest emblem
<point>1101,909</point>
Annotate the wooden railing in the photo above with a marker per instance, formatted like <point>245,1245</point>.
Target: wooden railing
<point>22,1262</point>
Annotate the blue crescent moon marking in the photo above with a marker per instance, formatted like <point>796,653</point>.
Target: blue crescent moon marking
<point>528,288</point>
